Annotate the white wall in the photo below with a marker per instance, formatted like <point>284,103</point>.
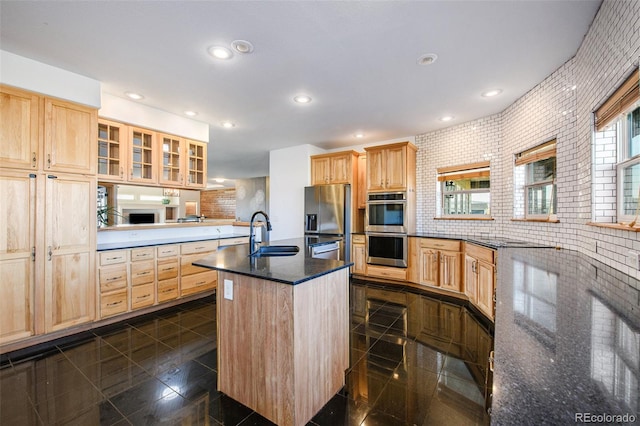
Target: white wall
<point>289,173</point>
<point>131,112</point>
<point>35,76</point>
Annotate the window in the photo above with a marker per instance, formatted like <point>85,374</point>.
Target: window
<point>617,148</point>
<point>465,190</point>
<point>536,168</point>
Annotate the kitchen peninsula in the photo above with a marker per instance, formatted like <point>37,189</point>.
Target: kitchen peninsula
<point>283,330</point>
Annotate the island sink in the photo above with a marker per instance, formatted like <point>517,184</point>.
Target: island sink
<point>275,251</point>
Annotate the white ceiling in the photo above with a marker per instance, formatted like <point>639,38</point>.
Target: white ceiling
<point>357,60</point>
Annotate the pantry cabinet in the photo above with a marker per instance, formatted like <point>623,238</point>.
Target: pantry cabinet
<point>17,254</point>
<point>479,277</point>
<point>391,167</point>
<point>70,244</point>
<point>435,262</point>
<point>19,129</point>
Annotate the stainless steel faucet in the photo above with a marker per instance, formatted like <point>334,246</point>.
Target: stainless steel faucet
<point>252,243</point>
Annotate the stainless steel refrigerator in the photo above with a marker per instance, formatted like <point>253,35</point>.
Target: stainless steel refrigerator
<point>327,215</point>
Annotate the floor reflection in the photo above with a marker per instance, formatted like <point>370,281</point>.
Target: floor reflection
<point>415,360</point>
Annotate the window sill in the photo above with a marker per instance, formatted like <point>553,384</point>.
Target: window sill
<point>536,220</point>
<point>462,218</point>
<point>619,226</point>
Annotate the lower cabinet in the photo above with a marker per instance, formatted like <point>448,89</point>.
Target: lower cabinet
<point>194,279</point>
<point>479,277</point>
<point>358,254</point>
<point>168,267</point>
<point>436,263</point>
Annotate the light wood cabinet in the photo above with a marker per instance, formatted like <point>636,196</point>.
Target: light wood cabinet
<point>479,277</point>
<point>17,254</point>
<point>435,262</point>
<point>358,255</point>
<point>196,155</point>
<point>19,129</point>
<point>391,167</point>
<point>171,160</point>
<point>361,197</point>
<point>113,280</point>
<point>194,279</point>
<point>113,144</point>
<point>70,234</point>
<point>69,132</point>
<point>142,156</point>
<point>338,167</point>
<point>168,267</point>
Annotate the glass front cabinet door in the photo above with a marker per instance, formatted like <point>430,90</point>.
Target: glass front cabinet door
<point>171,168</point>
<point>142,150</point>
<point>197,164</point>
<point>112,149</point>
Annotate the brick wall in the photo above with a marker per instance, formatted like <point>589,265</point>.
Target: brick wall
<point>559,107</point>
<point>219,203</point>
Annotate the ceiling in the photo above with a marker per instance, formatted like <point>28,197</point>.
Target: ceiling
<point>357,60</point>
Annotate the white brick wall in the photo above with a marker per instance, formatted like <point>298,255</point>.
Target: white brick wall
<point>560,107</point>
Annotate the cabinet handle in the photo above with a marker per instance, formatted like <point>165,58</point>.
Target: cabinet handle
<point>49,160</point>
<point>144,273</point>
<point>50,252</point>
<point>491,360</point>
<point>33,254</point>
<point>121,171</point>
<point>199,283</point>
<point>115,278</point>
<point>52,177</point>
<point>144,296</point>
<point>168,269</point>
<point>34,159</point>
<point>114,258</point>
<point>114,303</point>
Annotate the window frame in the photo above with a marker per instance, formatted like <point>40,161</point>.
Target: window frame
<point>480,169</point>
<point>624,161</point>
<point>541,152</point>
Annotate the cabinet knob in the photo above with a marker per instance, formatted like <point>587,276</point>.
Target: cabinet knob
<point>50,252</point>
<point>34,159</point>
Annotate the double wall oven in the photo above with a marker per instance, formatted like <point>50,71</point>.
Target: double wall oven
<point>386,228</point>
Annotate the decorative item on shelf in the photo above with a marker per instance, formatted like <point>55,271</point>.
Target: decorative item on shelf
<point>170,192</point>
<point>166,201</point>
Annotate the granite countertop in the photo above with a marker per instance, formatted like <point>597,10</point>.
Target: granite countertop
<point>164,241</point>
<point>293,269</point>
<point>567,340</point>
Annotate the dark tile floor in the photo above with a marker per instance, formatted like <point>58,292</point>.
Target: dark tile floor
<point>414,361</point>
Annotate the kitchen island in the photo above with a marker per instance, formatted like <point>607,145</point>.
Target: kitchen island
<point>283,330</point>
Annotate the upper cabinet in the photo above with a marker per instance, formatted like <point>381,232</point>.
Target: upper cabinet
<point>196,164</point>
<point>112,150</point>
<point>336,167</point>
<point>69,132</point>
<point>391,167</point>
<point>141,156</point>
<point>19,125</point>
<point>37,132</point>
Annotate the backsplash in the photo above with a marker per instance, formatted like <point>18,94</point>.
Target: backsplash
<point>559,107</point>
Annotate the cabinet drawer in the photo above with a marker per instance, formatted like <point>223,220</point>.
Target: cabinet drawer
<point>113,303</point>
<point>145,253</point>
<point>199,247</point>
<point>186,267</point>
<point>142,273</point>
<point>198,282</point>
<point>449,245</point>
<point>167,268</point>
<point>142,295</point>
<point>357,239</point>
<point>113,257</point>
<point>168,251</point>
<point>112,278</point>
<point>481,253</point>
<point>233,241</point>
<point>387,272</point>
<point>167,290</point>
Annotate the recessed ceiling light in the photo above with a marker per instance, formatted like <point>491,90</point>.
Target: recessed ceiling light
<point>491,93</point>
<point>242,46</point>
<point>220,52</point>
<point>228,124</point>
<point>190,113</point>
<point>134,96</point>
<point>302,99</point>
<point>446,118</point>
<point>359,135</point>
<point>427,59</point>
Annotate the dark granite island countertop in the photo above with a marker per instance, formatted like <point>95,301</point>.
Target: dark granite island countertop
<point>292,270</point>
<point>567,340</point>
